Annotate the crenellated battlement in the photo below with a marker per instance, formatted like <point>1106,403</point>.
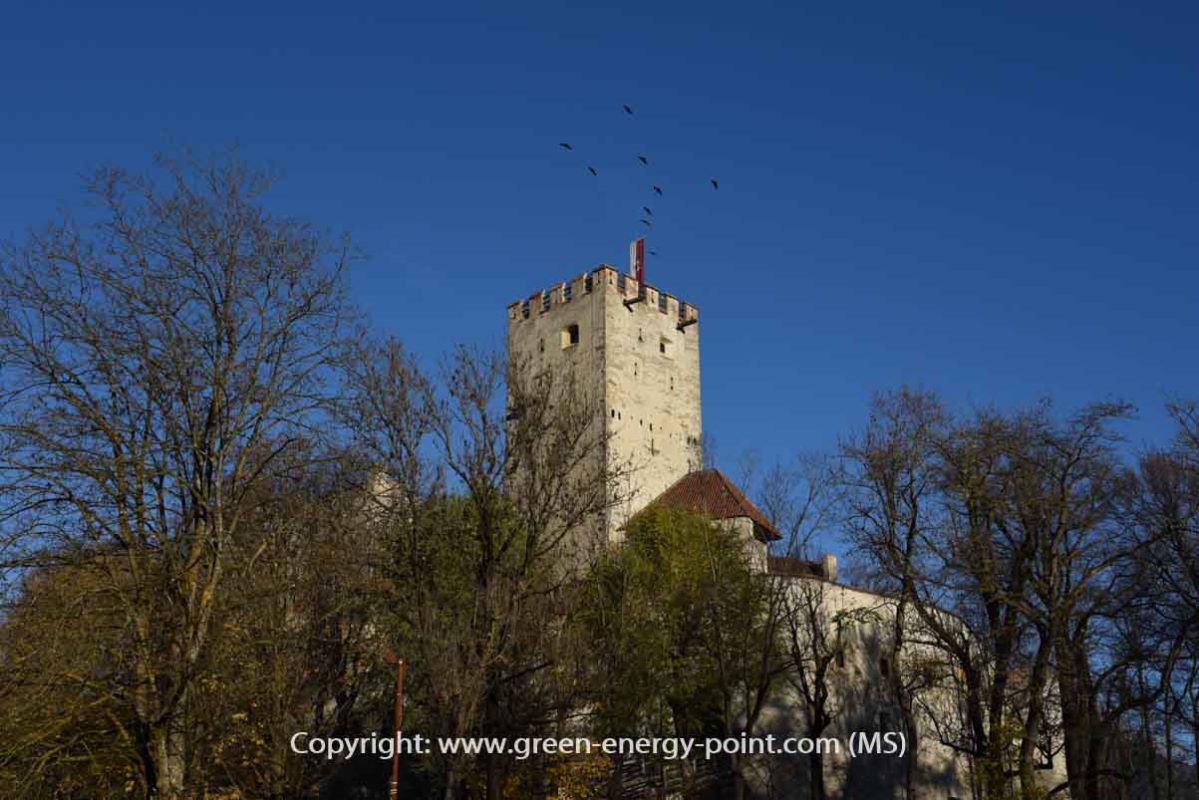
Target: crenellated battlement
<point>605,277</point>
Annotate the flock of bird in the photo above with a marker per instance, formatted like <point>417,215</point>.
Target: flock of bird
<point>646,211</point>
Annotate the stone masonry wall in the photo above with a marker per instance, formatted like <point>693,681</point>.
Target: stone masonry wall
<point>635,353</point>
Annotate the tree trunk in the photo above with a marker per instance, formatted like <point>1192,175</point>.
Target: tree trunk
<point>493,778</point>
<point>1096,751</point>
<point>1170,753</point>
<point>816,774</point>
<point>738,780</point>
<point>912,766</point>
<point>1146,753</point>
<point>616,779</point>
<point>145,751</point>
<point>1032,723</point>
<point>1195,733</point>
<point>166,747</point>
<point>1074,736</point>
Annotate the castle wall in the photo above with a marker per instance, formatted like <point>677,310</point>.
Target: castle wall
<point>635,354</point>
<point>537,327</point>
<point>652,392</point>
<point>861,701</point>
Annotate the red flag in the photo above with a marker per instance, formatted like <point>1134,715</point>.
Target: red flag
<point>637,260</point>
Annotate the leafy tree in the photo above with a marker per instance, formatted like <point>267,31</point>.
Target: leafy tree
<point>669,615</point>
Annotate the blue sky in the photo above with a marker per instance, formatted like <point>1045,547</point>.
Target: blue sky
<point>997,204</point>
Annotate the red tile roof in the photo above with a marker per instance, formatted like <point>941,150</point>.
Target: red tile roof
<point>711,493</point>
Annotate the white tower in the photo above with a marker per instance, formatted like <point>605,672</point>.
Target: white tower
<point>637,348</point>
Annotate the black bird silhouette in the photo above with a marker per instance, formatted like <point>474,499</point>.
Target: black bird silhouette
<point>643,160</point>
<point>715,185</point>
<point>648,213</point>
<point>628,109</point>
<point>565,146</point>
<point>592,170</point>
<point>658,189</point>
<point>647,223</point>
<point>653,252</point>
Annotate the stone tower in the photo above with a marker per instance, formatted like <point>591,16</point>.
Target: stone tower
<point>637,349</point>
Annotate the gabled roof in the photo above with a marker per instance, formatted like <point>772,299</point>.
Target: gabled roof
<point>711,493</point>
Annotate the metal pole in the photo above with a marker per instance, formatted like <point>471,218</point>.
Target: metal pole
<point>393,792</point>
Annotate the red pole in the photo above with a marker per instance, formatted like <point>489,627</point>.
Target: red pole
<point>393,792</point>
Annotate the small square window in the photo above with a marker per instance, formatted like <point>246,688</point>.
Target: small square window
<point>570,336</point>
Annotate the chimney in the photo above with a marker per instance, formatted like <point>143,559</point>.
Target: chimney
<point>829,565</point>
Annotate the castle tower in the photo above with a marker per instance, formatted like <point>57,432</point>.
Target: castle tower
<point>637,349</point>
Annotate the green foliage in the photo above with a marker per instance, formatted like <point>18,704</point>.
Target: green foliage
<point>68,732</point>
<point>666,616</point>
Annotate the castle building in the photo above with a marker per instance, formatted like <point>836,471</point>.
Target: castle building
<point>634,349</point>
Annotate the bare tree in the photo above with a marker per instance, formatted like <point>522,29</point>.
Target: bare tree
<point>892,511</point>
<point>490,484</point>
<point>158,360</point>
<point>1063,491</point>
<point>1163,589</point>
<point>1070,615</point>
<point>790,645</point>
<point>815,634</point>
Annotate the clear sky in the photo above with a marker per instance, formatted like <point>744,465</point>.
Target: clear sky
<point>998,204</point>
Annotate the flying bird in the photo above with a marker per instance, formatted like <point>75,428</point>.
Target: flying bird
<point>653,252</point>
<point>628,109</point>
<point>658,189</point>
<point>565,146</point>
<point>647,223</point>
<point>643,160</point>
<point>592,171</point>
<point>648,213</point>
<point>715,185</point>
